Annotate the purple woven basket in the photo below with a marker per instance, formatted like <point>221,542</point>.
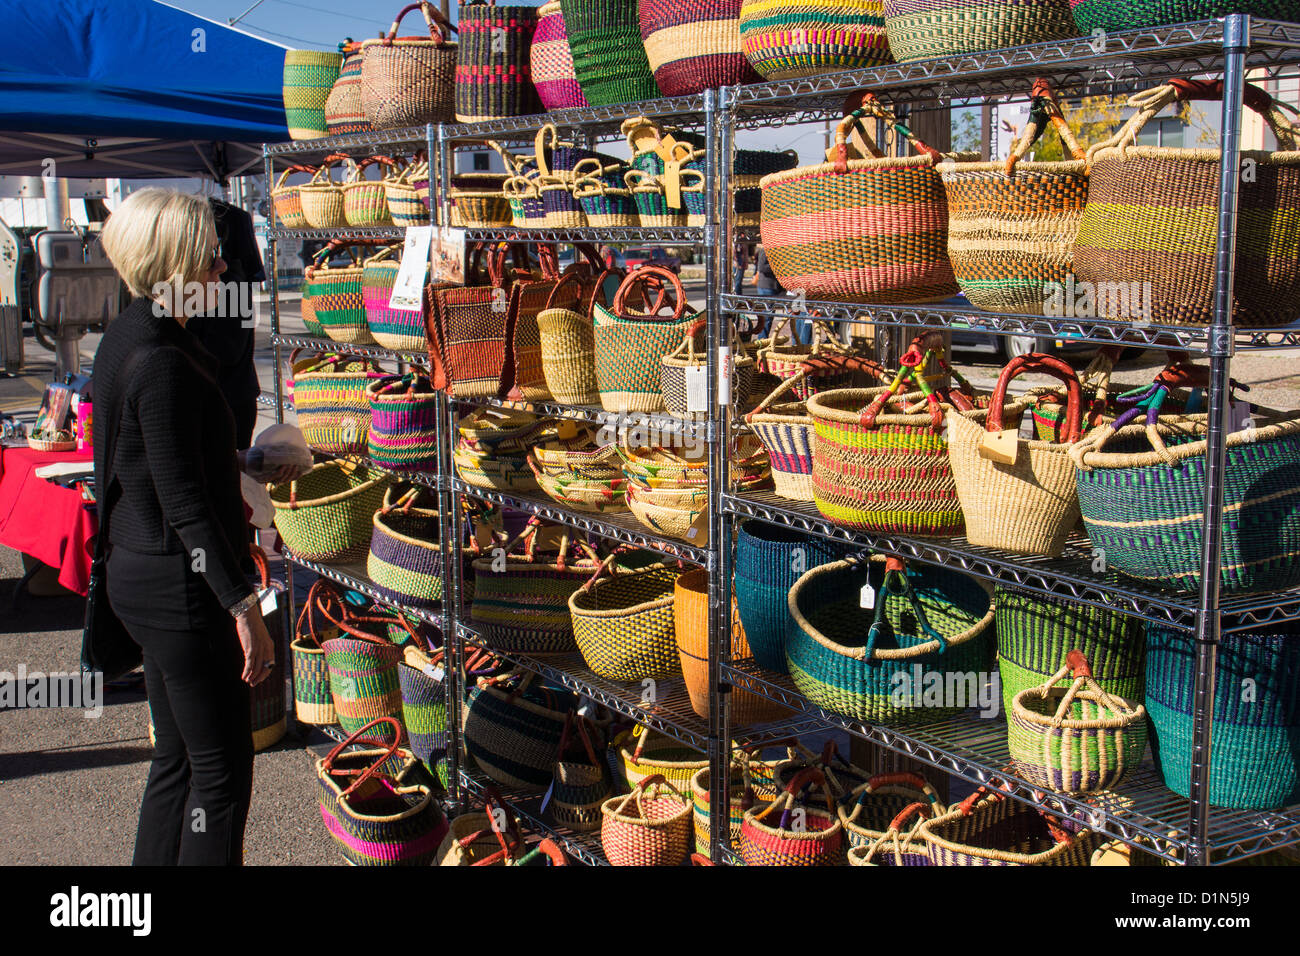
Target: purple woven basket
<point>553,73</point>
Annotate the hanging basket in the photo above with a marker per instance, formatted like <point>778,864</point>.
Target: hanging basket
<point>326,515</point>
<point>783,39</point>
<point>410,81</point>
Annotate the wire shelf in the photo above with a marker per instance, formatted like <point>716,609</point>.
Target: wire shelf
<point>583,847</point>
<point>663,424</point>
<point>419,359</point>
<point>343,232</point>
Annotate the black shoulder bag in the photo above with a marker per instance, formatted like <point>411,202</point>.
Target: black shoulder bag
<point>105,644</point>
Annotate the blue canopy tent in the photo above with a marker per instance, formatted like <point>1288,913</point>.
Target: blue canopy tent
<point>133,89</point>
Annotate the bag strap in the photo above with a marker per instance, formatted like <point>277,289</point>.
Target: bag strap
<point>1049,364</point>
<point>114,420</point>
<point>641,277</point>
<point>1044,110</point>
<point>327,765</point>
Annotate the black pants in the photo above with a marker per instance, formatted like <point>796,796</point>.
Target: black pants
<point>201,781</point>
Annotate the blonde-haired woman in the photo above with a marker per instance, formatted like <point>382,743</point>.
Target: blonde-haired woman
<point>178,531</point>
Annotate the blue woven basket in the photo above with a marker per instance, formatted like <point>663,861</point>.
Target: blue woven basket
<point>424,712</point>
<point>1146,516</point>
<point>1255,734</point>
<point>887,665</point>
<point>769,560</point>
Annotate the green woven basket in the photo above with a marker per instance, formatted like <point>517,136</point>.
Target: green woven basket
<point>609,57</point>
<point>363,680</point>
<point>1113,15</point>
<point>327,514</point>
<point>309,76</point>
<point>918,29</point>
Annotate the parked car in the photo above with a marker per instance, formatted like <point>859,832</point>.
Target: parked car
<point>636,258</point>
<point>1009,346</point>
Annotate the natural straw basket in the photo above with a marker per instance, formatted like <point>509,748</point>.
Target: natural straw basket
<point>322,198</point>
<point>326,515</point>
<point>410,81</point>
<point>623,624</point>
<point>365,201</point>
<point>343,112</point>
<point>287,200</point>
<point>568,345</point>
<point>1012,225</point>
<point>1078,739</point>
<point>656,831</point>
<point>987,829</point>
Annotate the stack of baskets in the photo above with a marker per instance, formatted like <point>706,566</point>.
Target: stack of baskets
<point>668,491</point>
<point>492,449</point>
<point>581,474</point>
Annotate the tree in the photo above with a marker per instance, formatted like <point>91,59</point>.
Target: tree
<point>966,130</point>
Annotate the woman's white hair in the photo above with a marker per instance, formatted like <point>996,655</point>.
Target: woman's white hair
<point>160,237</point>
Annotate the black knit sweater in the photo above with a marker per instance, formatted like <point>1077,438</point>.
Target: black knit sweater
<point>175,457</point>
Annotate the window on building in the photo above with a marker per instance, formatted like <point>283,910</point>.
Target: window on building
<point>482,162</point>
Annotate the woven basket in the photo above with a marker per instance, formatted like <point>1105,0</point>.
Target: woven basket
<point>405,559</point>
<point>322,197</point>
<point>694,46</point>
<point>1026,504</point>
<point>582,780</point>
<point>769,560</point>
<point>602,193</point>
<point>1012,225</point>
<point>862,663</point>
<point>479,203</point>
<point>1078,739</point>
<point>404,423</point>
<point>332,405</point>
<point>337,297</point>
<point>623,624</point>
<point>691,625</point>
<point>1035,633</point>
<point>1141,492</point>
<point>568,345</point>
<point>918,29</point>
<point>884,813</point>
<point>643,754</point>
<point>629,347</point>
<point>312,701</point>
<point>309,76</point>
<point>751,785</point>
<point>783,39</point>
<point>410,81</point>
<point>802,835</point>
<point>1114,15</point>
<point>287,200</point>
<point>861,229</point>
<point>326,515</point>
<point>1254,754</point>
<point>489,838</point>
<point>1147,236</point>
<point>404,200</point>
<point>654,831</point>
<point>494,67</point>
<point>365,201</point>
<point>652,203</point>
<point>609,59</point>
<point>593,496</point>
<point>673,374</point>
<point>522,603</point>
<point>513,730</point>
<point>373,807</point>
<point>987,829</point>
<point>823,364</point>
<point>672,521</point>
<point>424,709</point>
<point>363,678</point>
<point>552,63</point>
<point>400,329</point>
<point>343,112</point>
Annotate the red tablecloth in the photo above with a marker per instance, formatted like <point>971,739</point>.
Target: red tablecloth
<point>45,520</point>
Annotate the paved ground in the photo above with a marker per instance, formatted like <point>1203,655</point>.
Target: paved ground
<point>70,787</point>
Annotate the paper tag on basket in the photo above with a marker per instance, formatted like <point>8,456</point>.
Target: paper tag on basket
<point>698,533</point>
<point>697,388</point>
<point>269,601</point>
<point>408,290</point>
<point>566,430</point>
<point>547,799</point>
<point>724,376</point>
<point>868,598</point>
<point>1239,416</point>
<point>1002,446</point>
<point>673,183</point>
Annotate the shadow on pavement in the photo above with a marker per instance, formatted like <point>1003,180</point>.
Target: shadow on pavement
<point>34,763</point>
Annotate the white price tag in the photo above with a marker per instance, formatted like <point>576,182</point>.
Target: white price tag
<point>408,290</point>
<point>724,380</point>
<point>434,671</point>
<point>697,388</point>
<point>868,599</point>
<point>269,601</point>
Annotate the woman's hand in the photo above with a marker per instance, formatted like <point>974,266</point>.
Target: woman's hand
<point>259,652</point>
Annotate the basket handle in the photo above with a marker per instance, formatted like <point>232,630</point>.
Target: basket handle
<point>897,583</point>
<point>327,765</point>
<point>571,275</point>
<point>439,27</point>
<point>873,107</point>
<point>548,137</point>
<point>903,778</point>
<point>1049,364</point>
<point>261,564</point>
<point>1044,110</point>
<point>321,589</point>
<point>571,720</point>
<point>967,806</point>
<point>640,277</point>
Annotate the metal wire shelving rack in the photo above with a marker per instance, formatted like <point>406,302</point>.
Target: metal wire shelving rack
<point>1143,811</point>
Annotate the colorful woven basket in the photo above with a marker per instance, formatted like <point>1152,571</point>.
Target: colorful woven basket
<point>326,515</point>
<point>400,329</point>
<point>1254,754</point>
<point>405,559</point>
<point>309,76</point>
<point>654,831</point>
<point>629,347</point>
<point>343,112</point>
<point>873,229</point>
<point>1147,236</point>
<point>987,829</point>
<point>783,39</point>
<point>488,838</point>
<point>642,753</point>
<point>875,813</point>
<point>1141,492</point>
<point>513,730</point>
<point>336,295</point>
<point>694,46</point>
<point>365,201</point>
<point>332,405</point>
<point>312,701</point>
<point>372,806</point>
<point>1076,739</point>
<point>769,560</point>
<point>407,205</point>
<point>1035,633</point>
<point>751,785</point>
<point>691,626</point>
<point>582,779</point>
<point>521,597</point>
<point>1016,494</point>
<point>552,63</point>
<point>918,29</point>
<point>675,371</point>
<point>623,624</point>
<point>287,200</point>
<point>867,663</point>
<point>802,835</point>
<point>1012,225</point>
<point>404,423</point>
<point>424,709</point>
<point>410,81</point>
<point>609,58</point>
<point>1114,15</point>
<point>363,677</point>
<point>494,66</point>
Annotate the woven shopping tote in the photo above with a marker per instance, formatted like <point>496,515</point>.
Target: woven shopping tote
<point>494,67</point>
<point>651,826</point>
<point>312,701</point>
<point>410,81</point>
<point>326,515</point>
<point>405,560</point>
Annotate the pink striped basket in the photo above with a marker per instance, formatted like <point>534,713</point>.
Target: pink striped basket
<point>553,73</point>
<point>403,423</point>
